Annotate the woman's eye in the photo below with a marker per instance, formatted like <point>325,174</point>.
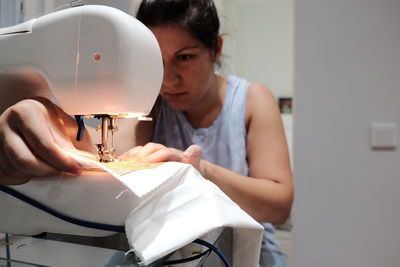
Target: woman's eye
<point>184,57</point>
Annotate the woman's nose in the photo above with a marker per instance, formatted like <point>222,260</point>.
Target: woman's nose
<point>171,76</point>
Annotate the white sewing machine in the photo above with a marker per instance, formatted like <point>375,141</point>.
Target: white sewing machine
<point>97,61</point>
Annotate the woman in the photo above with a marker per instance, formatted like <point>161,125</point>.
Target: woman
<point>236,125</point>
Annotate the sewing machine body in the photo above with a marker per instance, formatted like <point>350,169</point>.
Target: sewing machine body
<point>95,60</point>
<point>94,197</point>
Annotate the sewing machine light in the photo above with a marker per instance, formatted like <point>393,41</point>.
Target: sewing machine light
<point>139,116</point>
<point>144,118</point>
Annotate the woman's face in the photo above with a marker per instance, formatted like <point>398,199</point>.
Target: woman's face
<point>188,67</point>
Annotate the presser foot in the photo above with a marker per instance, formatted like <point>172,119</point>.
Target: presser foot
<point>105,155</point>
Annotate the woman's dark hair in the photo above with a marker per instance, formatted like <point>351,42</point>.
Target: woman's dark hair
<point>199,17</point>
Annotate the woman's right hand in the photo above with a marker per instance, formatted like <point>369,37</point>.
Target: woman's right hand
<point>32,138</point>
<point>153,152</point>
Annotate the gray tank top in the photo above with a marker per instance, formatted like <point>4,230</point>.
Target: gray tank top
<point>223,143</point>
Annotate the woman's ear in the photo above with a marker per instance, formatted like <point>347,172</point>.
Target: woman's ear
<point>218,50</point>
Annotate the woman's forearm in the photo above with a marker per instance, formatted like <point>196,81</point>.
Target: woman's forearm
<point>265,200</point>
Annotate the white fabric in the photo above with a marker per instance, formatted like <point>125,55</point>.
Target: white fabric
<point>192,209</point>
<point>178,205</point>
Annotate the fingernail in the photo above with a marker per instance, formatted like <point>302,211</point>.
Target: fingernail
<point>188,153</point>
<point>76,171</point>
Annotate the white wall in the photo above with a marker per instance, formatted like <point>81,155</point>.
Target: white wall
<point>259,42</point>
<point>347,76</point>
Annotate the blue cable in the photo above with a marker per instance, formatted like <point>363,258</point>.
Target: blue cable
<point>99,226</point>
<point>8,251</point>
<point>184,260</point>
<point>36,204</point>
<point>213,248</point>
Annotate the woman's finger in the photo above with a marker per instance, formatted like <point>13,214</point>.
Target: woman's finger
<point>131,154</point>
<point>164,154</point>
<point>35,132</point>
<point>7,179</point>
<point>192,155</point>
<point>9,173</point>
<point>17,155</point>
<point>148,149</point>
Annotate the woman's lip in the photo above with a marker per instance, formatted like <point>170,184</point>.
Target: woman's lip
<point>175,94</point>
<point>175,97</point>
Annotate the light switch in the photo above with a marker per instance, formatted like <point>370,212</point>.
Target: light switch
<point>384,135</point>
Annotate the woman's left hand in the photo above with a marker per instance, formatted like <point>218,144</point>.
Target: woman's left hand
<point>153,152</point>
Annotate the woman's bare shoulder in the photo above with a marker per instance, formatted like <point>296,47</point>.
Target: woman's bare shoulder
<point>260,100</point>
<point>256,90</point>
